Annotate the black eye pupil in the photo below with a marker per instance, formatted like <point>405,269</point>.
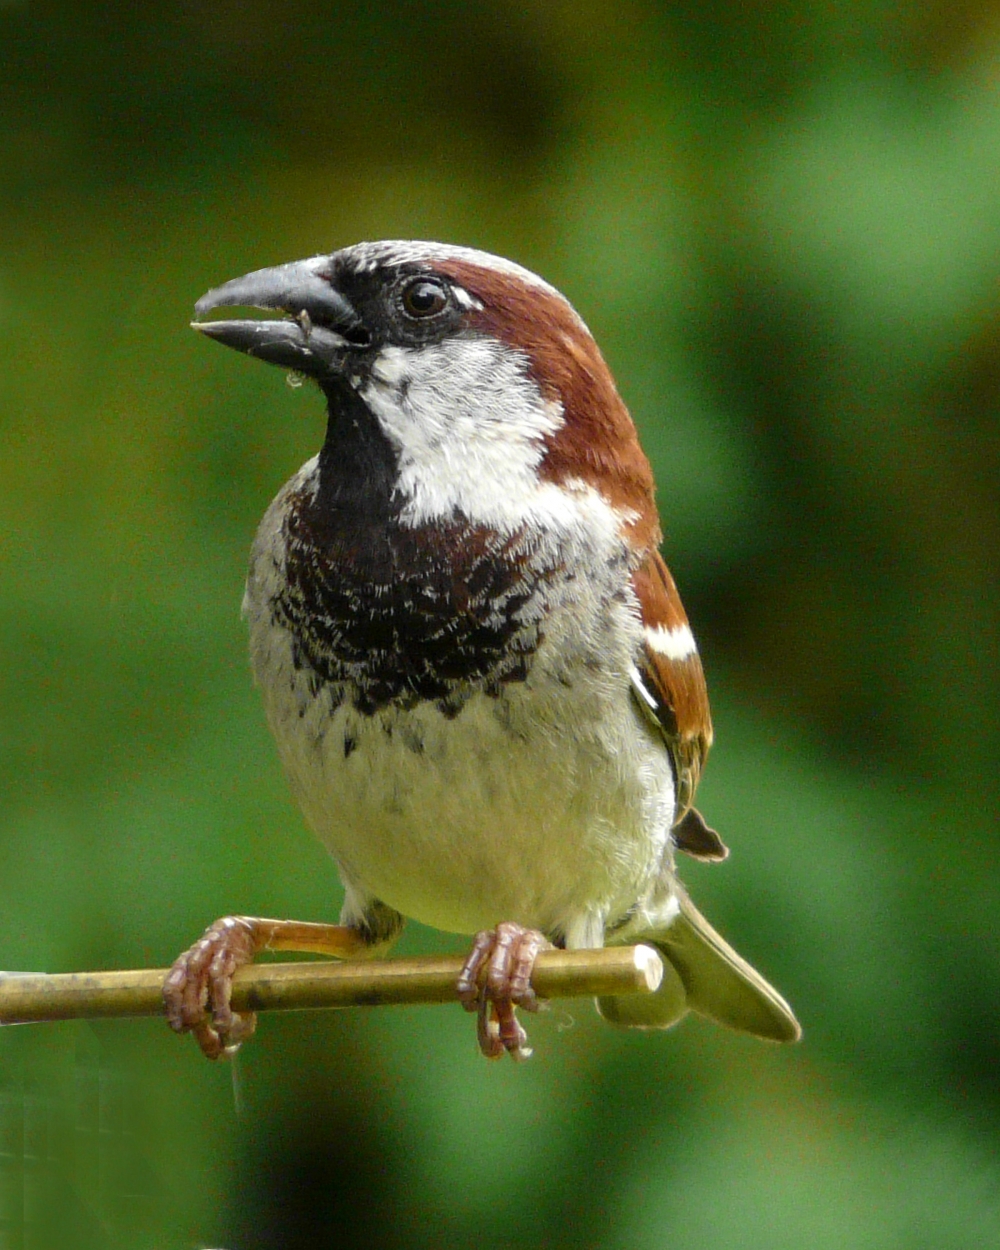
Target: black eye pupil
<point>424,299</point>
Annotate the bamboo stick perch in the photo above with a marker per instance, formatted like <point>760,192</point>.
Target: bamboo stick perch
<point>30,997</point>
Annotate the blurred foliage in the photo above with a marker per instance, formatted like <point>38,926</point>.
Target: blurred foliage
<point>781,222</point>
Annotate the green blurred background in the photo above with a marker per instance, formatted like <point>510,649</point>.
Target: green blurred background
<point>782,222</point>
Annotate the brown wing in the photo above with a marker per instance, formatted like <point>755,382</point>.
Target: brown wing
<point>671,686</point>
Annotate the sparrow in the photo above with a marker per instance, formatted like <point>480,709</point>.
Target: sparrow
<point>482,684</point>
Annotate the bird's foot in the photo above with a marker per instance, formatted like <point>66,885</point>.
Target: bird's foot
<point>495,980</point>
<point>198,989</point>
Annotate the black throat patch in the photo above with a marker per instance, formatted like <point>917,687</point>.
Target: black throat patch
<point>385,614</point>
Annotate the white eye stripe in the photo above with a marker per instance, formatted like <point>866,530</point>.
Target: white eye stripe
<point>465,300</point>
<point>676,644</point>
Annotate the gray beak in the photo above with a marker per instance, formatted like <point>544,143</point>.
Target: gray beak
<point>324,329</point>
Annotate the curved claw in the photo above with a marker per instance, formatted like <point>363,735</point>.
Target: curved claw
<point>495,980</point>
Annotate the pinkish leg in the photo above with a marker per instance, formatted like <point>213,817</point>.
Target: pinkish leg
<point>495,980</point>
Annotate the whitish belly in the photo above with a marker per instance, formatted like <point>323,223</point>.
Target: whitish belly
<point>551,812</point>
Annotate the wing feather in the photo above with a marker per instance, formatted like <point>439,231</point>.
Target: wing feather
<point>670,685</point>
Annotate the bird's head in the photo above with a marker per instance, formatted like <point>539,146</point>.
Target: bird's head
<point>483,387</point>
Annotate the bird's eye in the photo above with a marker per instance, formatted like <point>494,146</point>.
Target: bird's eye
<point>425,298</point>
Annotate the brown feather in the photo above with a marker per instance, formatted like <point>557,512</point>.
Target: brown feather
<point>695,838</point>
<point>677,686</point>
<point>597,443</point>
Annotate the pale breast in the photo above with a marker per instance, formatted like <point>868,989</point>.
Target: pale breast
<point>533,792</point>
<point>498,812</point>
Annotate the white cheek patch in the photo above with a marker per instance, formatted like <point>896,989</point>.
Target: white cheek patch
<point>469,428</point>
<point>676,644</point>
